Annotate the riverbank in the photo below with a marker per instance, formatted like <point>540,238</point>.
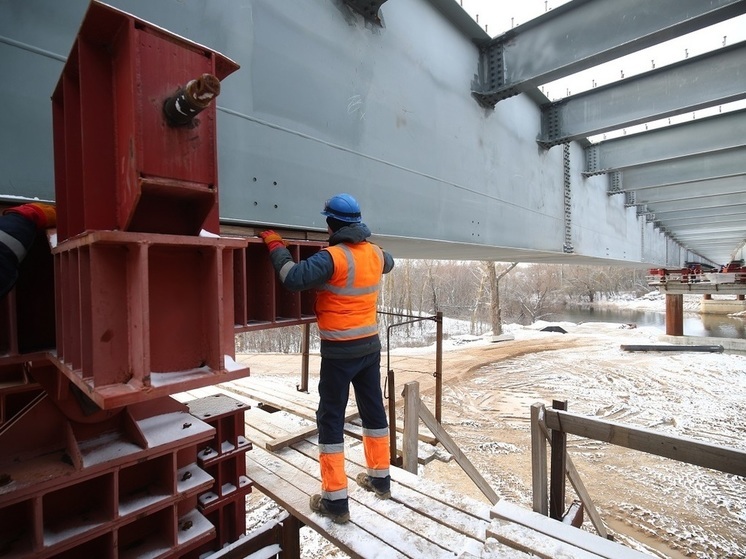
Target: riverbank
<point>725,305</point>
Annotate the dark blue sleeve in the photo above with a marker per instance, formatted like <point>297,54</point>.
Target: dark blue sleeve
<point>388,262</point>
<point>17,234</point>
<point>313,272</point>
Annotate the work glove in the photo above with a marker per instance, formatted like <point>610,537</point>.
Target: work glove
<point>42,215</point>
<point>272,240</point>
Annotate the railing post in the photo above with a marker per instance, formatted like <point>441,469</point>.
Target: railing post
<point>539,460</point>
<point>438,365</point>
<point>305,350</point>
<point>394,459</point>
<point>559,466</point>
<point>410,442</point>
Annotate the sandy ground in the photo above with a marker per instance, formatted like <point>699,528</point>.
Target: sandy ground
<point>653,504</point>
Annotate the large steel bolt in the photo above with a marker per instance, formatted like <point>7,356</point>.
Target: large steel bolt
<point>190,100</point>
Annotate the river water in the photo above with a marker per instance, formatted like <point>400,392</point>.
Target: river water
<point>695,324</point>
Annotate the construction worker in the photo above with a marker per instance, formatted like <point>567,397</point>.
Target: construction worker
<point>18,228</point>
<point>347,275</point>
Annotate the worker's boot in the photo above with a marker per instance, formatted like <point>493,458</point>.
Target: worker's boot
<point>381,486</point>
<point>338,510</point>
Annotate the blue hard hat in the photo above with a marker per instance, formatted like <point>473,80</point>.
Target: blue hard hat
<point>344,208</point>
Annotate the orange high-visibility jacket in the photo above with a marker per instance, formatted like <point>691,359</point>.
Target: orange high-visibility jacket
<point>346,304</point>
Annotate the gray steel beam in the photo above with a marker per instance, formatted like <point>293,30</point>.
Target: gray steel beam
<point>708,246</point>
<point>714,234</point>
<point>710,79</point>
<point>582,34</point>
<point>699,189</point>
<point>712,223</point>
<point>697,203</point>
<point>724,131</point>
<point>730,212</point>
<point>703,167</point>
<point>461,20</point>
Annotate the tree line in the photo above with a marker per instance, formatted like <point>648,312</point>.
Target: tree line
<point>486,294</point>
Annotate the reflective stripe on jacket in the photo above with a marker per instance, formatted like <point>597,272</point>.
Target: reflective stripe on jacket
<point>346,304</point>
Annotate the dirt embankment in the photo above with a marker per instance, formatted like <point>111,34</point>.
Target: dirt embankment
<point>666,508</point>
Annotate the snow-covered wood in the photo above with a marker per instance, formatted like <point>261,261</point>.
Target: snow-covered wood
<point>446,525</point>
<point>562,532</point>
<point>369,532</point>
<point>717,457</point>
<point>536,543</point>
<point>460,457</point>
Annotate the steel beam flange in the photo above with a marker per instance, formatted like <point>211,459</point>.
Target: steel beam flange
<point>591,162</point>
<point>629,199</point>
<point>615,183</point>
<point>492,76</point>
<point>367,8</point>
<point>551,127</point>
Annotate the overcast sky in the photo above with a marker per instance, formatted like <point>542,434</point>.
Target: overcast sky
<point>498,16</point>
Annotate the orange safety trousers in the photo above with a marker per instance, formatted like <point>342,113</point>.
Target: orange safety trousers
<point>333,477</point>
<point>332,463</point>
<point>376,447</point>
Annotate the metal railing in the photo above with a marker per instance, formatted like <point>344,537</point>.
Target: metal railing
<point>390,376</point>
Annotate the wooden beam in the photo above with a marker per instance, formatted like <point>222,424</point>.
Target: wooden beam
<point>534,543</point>
<point>721,458</point>
<point>564,533</point>
<point>292,438</point>
<point>411,421</point>
<point>460,457</point>
<point>539,460</point>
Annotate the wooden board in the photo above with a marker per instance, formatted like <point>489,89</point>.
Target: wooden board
<point>441,524</point>
<point>466,515</point>
<point>562,532</point>
<point>369,533</point>
<point>536,543</point>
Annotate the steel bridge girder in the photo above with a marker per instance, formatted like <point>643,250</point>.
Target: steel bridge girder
<point>583,34</point>
<point>707,80</point>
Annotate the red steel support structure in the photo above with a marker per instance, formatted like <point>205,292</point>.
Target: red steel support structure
<point>132,305</point>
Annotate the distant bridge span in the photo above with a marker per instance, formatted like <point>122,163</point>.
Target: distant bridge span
<point>439,130</point>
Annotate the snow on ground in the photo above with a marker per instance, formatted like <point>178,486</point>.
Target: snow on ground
<point>664,507</point>
<point>655,504</point>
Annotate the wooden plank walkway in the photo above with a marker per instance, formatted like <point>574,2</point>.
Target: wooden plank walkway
<point>421,520</point>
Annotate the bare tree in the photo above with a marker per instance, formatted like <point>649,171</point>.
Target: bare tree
<point>494,282</point>
<point>535,292</point>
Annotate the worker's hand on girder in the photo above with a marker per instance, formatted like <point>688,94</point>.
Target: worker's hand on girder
<point>43,215</point>
<point>272,240</point>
